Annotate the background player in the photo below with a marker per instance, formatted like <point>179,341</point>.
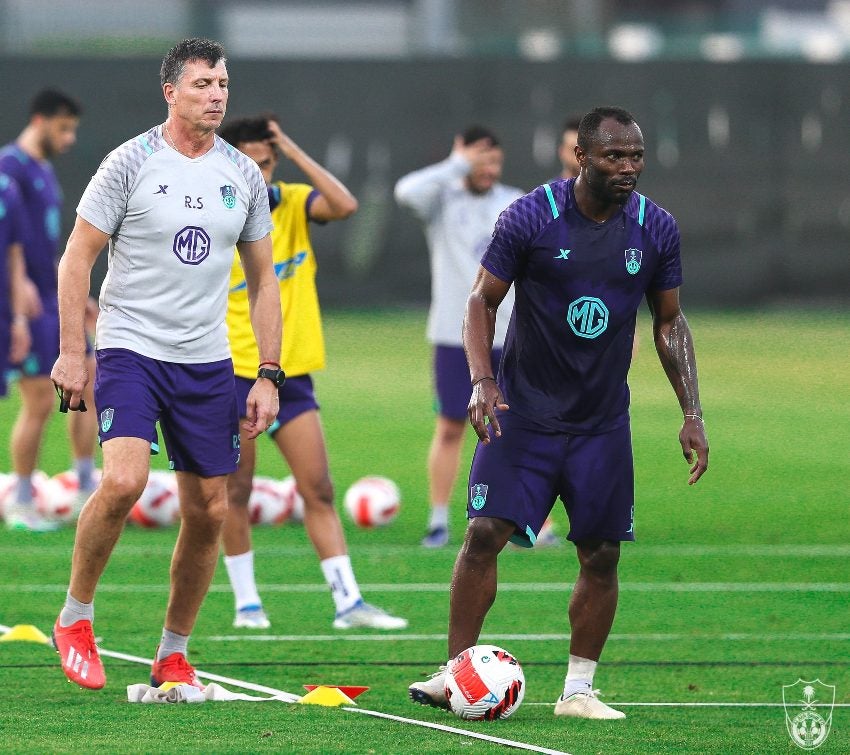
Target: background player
<point>297,432</point>
<point>567,148</point>
<point>458,201</point>
<point>51,130</point>
<point>162,342</point>
<point>582,254</point>
<point>14,324</point>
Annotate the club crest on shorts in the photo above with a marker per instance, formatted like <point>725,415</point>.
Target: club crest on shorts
<point>478,496</point>
<point>106,419</point>
<point>633,259</point>
<point>228,196</point>
<point>807,728</point>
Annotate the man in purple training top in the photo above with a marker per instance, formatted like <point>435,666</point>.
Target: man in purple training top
<point>51,130</point>
<point>582,254</point>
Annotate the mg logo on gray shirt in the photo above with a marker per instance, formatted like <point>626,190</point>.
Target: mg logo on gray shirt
<point>588,317</point>
<point>192,245</point>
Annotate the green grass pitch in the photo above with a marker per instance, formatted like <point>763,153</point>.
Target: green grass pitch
<point>735,587</point>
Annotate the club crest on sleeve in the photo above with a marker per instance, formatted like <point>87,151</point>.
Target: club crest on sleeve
<point>633,259</point>
<point>478,496</point>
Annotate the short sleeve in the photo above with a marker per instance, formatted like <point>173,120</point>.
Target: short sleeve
<point>104,201</point>
<point>258,224</point>
<point>668,274</point>
<point>517,225</point>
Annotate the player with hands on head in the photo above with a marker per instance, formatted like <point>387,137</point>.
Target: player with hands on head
<point>297,430</point>
<point>582,254</point>
<point>458,200</point>
<point>171,203</point>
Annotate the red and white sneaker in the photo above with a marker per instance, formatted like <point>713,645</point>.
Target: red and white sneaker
<point>174,668</point>
<point>78,651</point>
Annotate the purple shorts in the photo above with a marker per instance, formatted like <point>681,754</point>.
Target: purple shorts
<point>519,475</point>
<point>451,380</point>
<point>296,397</point>
<point>194,404</point>
<point>44,331</point>
<point>5,345</point>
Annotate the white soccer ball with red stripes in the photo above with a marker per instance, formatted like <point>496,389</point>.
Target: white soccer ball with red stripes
<point>9,488</point>
<point>484,683</point>
<point>372,501</point>
<point>268,504</point>
<point>159,504</point>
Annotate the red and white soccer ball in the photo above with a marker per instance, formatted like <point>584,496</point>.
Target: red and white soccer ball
<point>9,487</point>
<point>484,683</point>
<point>294,501</point>
<point>372,501</point>
<point>268,504</point>
<point>61,499</point>
<point>159,504</point>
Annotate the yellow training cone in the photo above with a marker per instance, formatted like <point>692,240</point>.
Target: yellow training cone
<point>331,697</point>
<point>25,633</point>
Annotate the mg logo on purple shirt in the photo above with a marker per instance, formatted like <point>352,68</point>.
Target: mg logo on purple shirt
<point>588,317</point>
<point>192,245</point>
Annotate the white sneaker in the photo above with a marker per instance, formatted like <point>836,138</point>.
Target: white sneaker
<point>27,518</point>
<point>586,705</point>
<point>432,691</point>
<point>79,500</point>
<point>365,615</point>
<point>251,617</point>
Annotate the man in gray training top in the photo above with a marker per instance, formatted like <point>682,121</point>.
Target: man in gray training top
<point>171,203</point>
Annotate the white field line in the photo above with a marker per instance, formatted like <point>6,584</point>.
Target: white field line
<point>636,550</point>
<point>442,587</point>
<point>555,637</point>
<point>295,698</point>
<point>462,732</point>
<point>704,705</point>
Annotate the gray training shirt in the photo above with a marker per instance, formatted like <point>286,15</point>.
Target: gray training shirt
<point>173,222</point>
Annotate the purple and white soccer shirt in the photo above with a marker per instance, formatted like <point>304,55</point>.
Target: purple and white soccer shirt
<point>578,286</point>
<point>173,222</point>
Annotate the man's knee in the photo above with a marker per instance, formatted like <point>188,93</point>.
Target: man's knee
<point>318,492</point>
<point>449,431</point>
<point>599,557</point>
<point>486,536</point>
<point>120,488</point>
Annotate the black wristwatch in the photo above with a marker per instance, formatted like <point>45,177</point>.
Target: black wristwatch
<point>277,376</point>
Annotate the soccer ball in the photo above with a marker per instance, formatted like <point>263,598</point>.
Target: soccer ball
<point>372,501</point>
<point>294,501</point>
<point>159,504</point>
<point>268,504</point>
<point>484,683</point>
<point>61,500</point>
<point>9,486</point>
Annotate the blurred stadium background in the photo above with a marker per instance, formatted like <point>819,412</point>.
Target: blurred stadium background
<point>742,103</point>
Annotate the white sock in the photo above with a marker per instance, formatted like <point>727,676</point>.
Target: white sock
<point>439,516</point>
<point>85,469</point>
<point>73,611</point>
<point>240,569</point>
<point>340,578</point>
<point>579,675</point>
<point>172,642</point>
<point>23,491</point>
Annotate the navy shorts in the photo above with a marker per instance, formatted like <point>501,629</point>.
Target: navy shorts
<point>5,345</point>
<point>195,406</point>
<point>519,475</point>
<point>451,380</point>
<point>295,397</point>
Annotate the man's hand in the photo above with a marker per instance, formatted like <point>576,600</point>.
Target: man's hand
<point>281,140</point>
<point>32,300</point>
<point>21,339</point>
<point>480,151</point>
<point>486,399</point>
<point>694,444</point>
<point>261,408</point>
<point>70,376</point>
